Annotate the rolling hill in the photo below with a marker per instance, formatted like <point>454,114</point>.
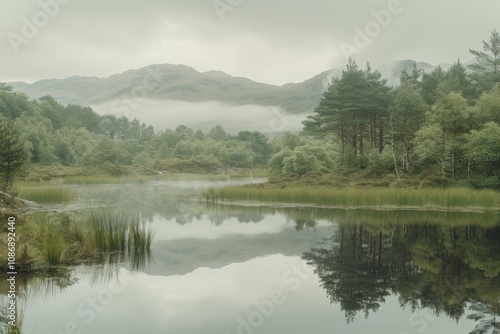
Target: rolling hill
<point>183,83</point>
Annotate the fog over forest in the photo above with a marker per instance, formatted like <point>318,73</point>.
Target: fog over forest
<point>168,114</point>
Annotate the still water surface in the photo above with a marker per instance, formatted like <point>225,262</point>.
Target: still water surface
<point>218,269</point>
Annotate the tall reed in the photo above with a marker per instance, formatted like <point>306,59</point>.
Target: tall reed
<point>140,237</point>
<point>108,231</point>
<point>52,240</point>
<point>114,232</point>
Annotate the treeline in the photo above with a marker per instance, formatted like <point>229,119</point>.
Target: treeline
<point>444,123</point>
<point>73,135</point>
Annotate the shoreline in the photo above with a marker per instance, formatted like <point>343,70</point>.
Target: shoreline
<point>430,208</point>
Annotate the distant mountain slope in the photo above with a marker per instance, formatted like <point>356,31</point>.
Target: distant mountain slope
<point>180,82</point>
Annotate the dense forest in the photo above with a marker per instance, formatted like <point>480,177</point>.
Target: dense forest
<point>443,125</point>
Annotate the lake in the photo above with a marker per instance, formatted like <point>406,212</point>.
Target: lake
<point>224,269</point>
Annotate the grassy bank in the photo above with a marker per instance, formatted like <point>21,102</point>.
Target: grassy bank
<point>104,179</point>
<point>359,197</point>
<point>45,240</point>
<point>41,192</point>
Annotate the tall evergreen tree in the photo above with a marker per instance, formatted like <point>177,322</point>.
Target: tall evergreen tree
<point>412,78</point>
<point>430,83</point>
<point>13,155</point>
<point>351,112</point>
<point>486,69</point>
<point>458,81</point>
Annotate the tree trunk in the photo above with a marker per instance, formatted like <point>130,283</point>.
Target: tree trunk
<point>380,139</point>
<point>392,148</point>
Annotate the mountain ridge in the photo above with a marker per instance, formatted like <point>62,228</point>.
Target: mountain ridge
<point>184,83</point>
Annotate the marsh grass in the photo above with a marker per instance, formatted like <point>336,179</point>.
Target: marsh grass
<point>140,237</point>
<point>104,179</point>
<point>52,240</point>
<point>359,197</point>
<point>114,232</point>
<point>43,193</point>
<point>108,231</point>
<point>45,240</point>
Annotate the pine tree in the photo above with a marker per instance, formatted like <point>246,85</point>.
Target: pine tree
<point>352,112</point>
<point>411,79</point>
<point>458,81</point>
<point>486,70</point>
<point>13,156</point>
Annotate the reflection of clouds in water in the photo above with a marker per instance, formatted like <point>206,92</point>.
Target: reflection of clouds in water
<point>163,114</point>
<point>227,288</point>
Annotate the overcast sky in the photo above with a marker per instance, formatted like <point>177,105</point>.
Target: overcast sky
<point>272,41</point>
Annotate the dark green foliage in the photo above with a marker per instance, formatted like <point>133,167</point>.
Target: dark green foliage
<point>430,82</point>
<point>259,143</point>
<point>65,153</point>
<point>121,128</point>
<point>353,113</point>
<point>13,155</point>
<point>486,69</point>
<point>412,79</point>
<point>483,150</point>
<point>425,123</point>
<point>13,104</point>
<point>458,81</point>
<point>71,116</point>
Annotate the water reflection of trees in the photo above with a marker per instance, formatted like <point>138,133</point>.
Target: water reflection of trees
<point>450,270</point>
<point>44,286</point>
<point>50,284</point>
<point>434,260</point>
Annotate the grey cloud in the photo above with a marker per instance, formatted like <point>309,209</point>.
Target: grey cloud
<point>274,41</point>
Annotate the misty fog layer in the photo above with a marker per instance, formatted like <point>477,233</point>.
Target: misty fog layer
<point>163,114</point>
